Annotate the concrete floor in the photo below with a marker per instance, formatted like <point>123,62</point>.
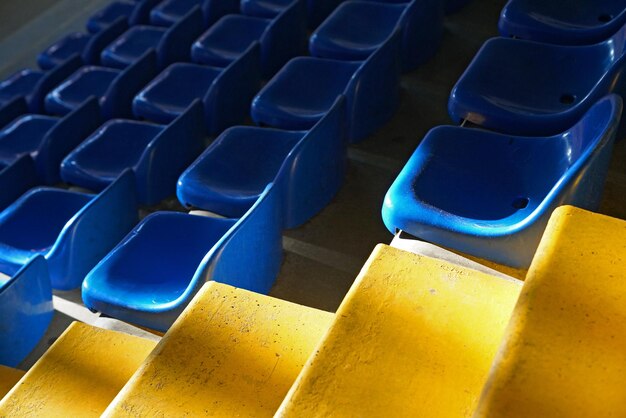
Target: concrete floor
<point>323,257</point>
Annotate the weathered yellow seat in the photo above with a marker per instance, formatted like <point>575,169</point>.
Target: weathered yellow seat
<point>564,353</point>
<point>415,336</point>
<point>8,378</point>
<point>230,353</point>
<point>79,375</point>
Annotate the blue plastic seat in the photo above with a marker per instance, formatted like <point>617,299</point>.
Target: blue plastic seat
<point>531,88</point>
<point>25,310</point>
<point>357,28</point>
<point>151,276</point>
<point>114,88</point>
<point>72,230</point>
<point>571,22</point>
<point>280,39</point>
<point>168,12</point>
<point>133,12</point>
<point>15,179</point>
<point>305,88</point>
<point>46,139</point>
<point>317,10</point>
<point>225,92</point>
<point>157,154</point>
<point>87,46</point>
<point>491,195</point>
<point>171,44</point>
<point>307,168</point>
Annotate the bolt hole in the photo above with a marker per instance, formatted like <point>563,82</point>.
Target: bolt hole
<point>604,18</point>
<point>567,98</point>
<point>520,202</point>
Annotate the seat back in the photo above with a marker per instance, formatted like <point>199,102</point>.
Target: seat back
<point>11,110</point>
<point>213,10</point>
<point>284,38</point>
<point>141,13</point>
<point>16,179</point>
<point>175,45</point>
<point>99,41</point>
<point>50,80</point>
<point>421,24</point>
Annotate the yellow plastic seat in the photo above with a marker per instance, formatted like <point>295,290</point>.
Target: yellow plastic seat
<point>564,353</point>
<point>8,378</point>
<point>231,353</point>
<point>78,376</point>
<point>415,337</point>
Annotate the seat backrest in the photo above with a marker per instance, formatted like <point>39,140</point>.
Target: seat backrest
<point>141,13</point>
<point>50,80</point>
<point>285,37</point>
<point>175,45</point>
<point>421,24</point>
<point>99,41</point>
<point>213,10</point>
<point>16,179</point>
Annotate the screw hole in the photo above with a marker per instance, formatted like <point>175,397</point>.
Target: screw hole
<point>604,18</point>
<point>567,98</point>
<point>520,202</point>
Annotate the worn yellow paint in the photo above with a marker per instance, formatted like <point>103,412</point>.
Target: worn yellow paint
<point>415,337</point>
<point>565,349</point>
<point>8,378</point>
<point>78,376</point>
<point>231,353</point>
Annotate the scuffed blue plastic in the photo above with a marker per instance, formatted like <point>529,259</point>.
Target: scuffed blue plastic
<point>303,91</point>
<point>491,195</point>
<point>225,92</point>
<point>157,154</point>
<point>151,276</point>
<point>531,88</point>
<point>33,85</point>
<point>46,139</point>
<point>281,38</point>
<point>316,10</point>
<point>307,168</point>
<point>168,12</point>
<point>25,311</point>
<point>565,22</point>
<point>72,230</point>
<point>171,44</point>
<point>114,88</point>
<point>357,28</point>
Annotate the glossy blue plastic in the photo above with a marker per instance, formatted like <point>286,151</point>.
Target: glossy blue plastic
<point>151,276</point>
<point>491,195</point>
<point>280,39</point>
<point>171,44</point>
<point>316,10</point>
<point>564,22</point>
<point>225,92</point>
<point>16,179</point>
<point>168,12</point>
<point>25,310</point>
<point>134,13</point>
<point>305,89</point>
<point>531,88</point>
<point>33,85</point>
<point>357,28</point>
<point>307,169</point>
<point>86,45</point>
<point>114,88</point>
<point>157,154</point>
<point>72,230</point>
<point>46,139</point>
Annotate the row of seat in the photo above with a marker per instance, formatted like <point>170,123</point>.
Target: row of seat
<point>262,179</point>
<point>490,194</point>
<point>441,338</point>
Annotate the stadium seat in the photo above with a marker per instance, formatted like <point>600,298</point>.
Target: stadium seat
<point>114,88</point>
<point>414,336</point>
<point>317,10</point>
<point>357,28</point>
<point>578,22</point>
<point>157,154</point>
<point>490,195</point>
<point>306,87</point>
<point>280,39</point>
<point>307,168</point>
<point>151,276</point>
<point>231,353</point>
<point>225,92</point>
<point>171,44</point>
<point>529,88</point>
<point>79,375</point>
<point>562,354</point>
<point>25,311</point>
<point>47,139</point>
<point>168,12</point>
<point>72,230</point>
<point>16,179</point>
<point>133,12</point>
